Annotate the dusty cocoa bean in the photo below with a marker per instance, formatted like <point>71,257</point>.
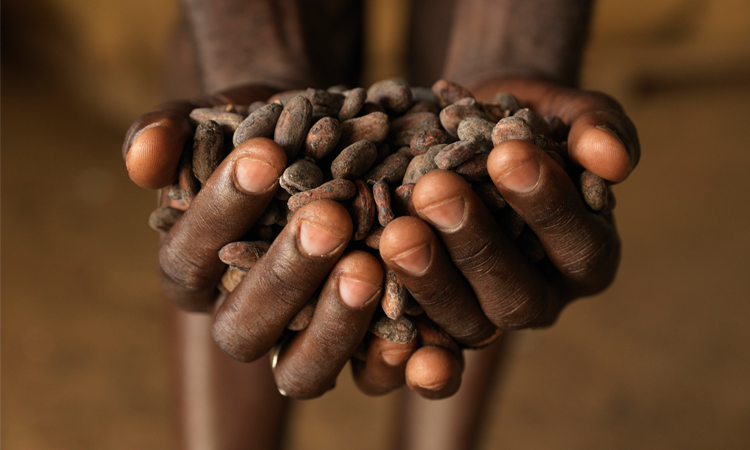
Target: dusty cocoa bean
<point>422,141</point>
<point>537,122</point>
<point>452,115</point>
<point>474,169</point>
<point>189,184</point>
<point>429,106</point>
<point>507,101</point>
<point>260,123</point>
<point>322,138</point>
<point>457,153</point>
<point>405,127</point>
<point>395,295</point>
<point>243,254</point>
<point>402,203</point>
<point>324,103</point>
<point>494,111</point>
<point>421,94</point>
<point>399,331</point>
<point>391,170</point>
<point>304,316</point>
<point>384,151</point>
<point>362,209</point>
<point>292,126</point>
<point>227,120</point>
<point>232,108</point>
<point>475,126</point>
<point>382,194</point>
<point>208,149</point>
<point>510,222</point>
<point>594,190</point>
<point>302,175</point>
<point>354,160</point>
<point>231,278</point>
<point>490,196</point>
<point>372,127</point>
<point>353,103</point>
<point>545,143</point>
<point>270,216</point>
<point>391,94</point>
<point>162,218</point>
<point>512,128</point>
<point>369,108</point>
<point>338,190</point>
<point>372,239</point>
<point>449,92</point>
<point>529,244</point>
<point>406,152</point>
<point>421,164</point>
<point>285,96</point>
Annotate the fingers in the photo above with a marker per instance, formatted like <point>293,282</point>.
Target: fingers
<point>255,314</point>
<point>384,370</point>
<point>153,147</point>
<point>582,245</point>
<point>224,210</point>
<point>410,248</point>
<point>510,291</point>
<point>309,365</point>
<point>433,372</point>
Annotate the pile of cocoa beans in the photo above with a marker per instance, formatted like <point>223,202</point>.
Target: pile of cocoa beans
<point>367,149</point>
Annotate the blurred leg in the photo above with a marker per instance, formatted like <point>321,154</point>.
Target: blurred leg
<point>456,422</point>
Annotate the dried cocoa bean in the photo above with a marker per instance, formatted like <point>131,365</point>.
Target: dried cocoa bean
<point>512,128</point>
<point>475,126</point>
<point>494,111</point>
<point>162,218</point>
<point>243,254</point>
<point>449,92</point>
<point>322,138</point>
<point>324,103</point>
<point>452,115</point>
<point>372,127</point>
<point>254,106</point>
<point>362,210</point>
<point>457,153</point>
<point>208,149</point>
<point>490,196</point>
<point>395,295</point>
<point>338,190</point>
<point>302,175</point>
<point>292,126</point>
<point>594,190</point>
<point>270,216</point>
<point>304,316</point>
<point>391,170</point>
<point>391,94</point>
<point>537,122</point>
<point>474,169</point>
<point>404,128</point>
<point>354,160</point>
<point>227,120</point>
<point>402,202</point>
<point>399,331</point>
<point>382,194</point>
<point>353,103</point>
<point>429,106</point>
<point>372,239</point>
<point>231,278</point>
<point>507,101</point>
<point>260,123</point>
<point>422,164</point>
<point>421,94</point>
<point>285,96</point>
<point>422,141</point>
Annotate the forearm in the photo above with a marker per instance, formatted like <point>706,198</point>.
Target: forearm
<point>241,41</point>
<point>495,38</point>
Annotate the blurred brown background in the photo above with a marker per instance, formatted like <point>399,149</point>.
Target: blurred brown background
<point>659,361</point>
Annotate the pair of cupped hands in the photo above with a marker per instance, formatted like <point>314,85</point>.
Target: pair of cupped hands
<point>456,262</point>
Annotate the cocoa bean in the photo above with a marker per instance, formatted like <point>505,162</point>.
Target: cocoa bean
<point>208,149</point>
<point>537,122</point>
<point>507,101</point>
<point>494,111</point>
<point>457,153</point>
<point>324,103</point>
<point>302,175</point>
<point>512,128</point>
<point>285,96</point>
<point>449,92</point>
<point>254,106</point>
<point>362,209</point>
<point>490,196</point>
<point>372,239</point>
<point>452,115</point>
<point>352,104</point>
<point>322,138</point>
<point>270,216</point>
<point>382,194</point>
<point>369,108</point>
<point>422,164</point>
<point>227,120</point>
<point>395,295</point>
<point>354,160</point>
<point>474,169</point>
<point>372,127</point>
<point>429,106</point>
<point>430,334</point>
<point>399,331</point>
<point>384,151</point>
<point>260,123</point>
<point>303,317</point>
<point>189,184</point>
<point>422,141</point>
<point>402,202</point>
<point>391,94</point>
<point>391,170</point>
<point>594,190</point>
<point>162,218</point>
<point>338,190</point>
<point>243,254</point>
<point>231,278</point>
<point>473,127</point>
<point>404,128</point>
<point>422,94</point>
<point>292,126</point>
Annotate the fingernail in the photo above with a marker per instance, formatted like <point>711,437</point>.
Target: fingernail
<point>317,241</point>
<point>613,133</point>
<point>415,260</point>
<point>394,357</point>
<point>448,214</point>
<point>356,294</point>
<point>523,178</point>
<point>434,387</point>
<point>255,176</point>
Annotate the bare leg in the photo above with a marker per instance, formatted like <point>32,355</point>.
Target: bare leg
<point>456,422</point>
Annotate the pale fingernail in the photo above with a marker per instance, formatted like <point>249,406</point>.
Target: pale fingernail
<point>356,294</point>
<point>613,133</point>
<point>255,176</point>
<point>448,214</point>
<point>394,357</point>
<point>317,241</point>
<point>415,260</point>
<point>523,178</point>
